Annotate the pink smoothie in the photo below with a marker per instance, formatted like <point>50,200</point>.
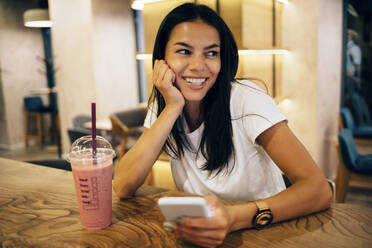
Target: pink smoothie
<point>93,185</point>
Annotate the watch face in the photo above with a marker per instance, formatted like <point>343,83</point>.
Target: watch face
<point>263,218</point>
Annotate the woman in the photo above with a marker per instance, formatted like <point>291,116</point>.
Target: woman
<point>225,138</point>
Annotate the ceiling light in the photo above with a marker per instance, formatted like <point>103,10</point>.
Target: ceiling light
<point>143,56</point>
<point>137,5</point>
<point>140,4</point>
<point>282,1</point>
<point>263,51</point>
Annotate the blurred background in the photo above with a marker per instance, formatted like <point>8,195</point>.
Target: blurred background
<point>313,57</point>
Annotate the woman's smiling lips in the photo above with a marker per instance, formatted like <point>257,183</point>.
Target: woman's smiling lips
<point>195,83</point>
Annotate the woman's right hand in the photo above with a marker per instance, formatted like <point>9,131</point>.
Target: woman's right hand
<point>164,79</point>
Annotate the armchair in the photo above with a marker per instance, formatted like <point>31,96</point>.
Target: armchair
<point>352,165</point>
<point>362,134</point>
<point>127,126</point>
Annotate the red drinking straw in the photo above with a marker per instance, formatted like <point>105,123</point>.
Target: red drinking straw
<point>94,144</point>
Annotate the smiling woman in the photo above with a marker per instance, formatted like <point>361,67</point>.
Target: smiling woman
<point>226,138</point>
<point>193,54</point>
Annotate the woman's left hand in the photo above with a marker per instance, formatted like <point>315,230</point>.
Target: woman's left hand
<point>206,232</point>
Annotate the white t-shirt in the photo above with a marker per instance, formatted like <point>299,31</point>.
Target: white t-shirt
<point>255,175</point>
<point>353,57</point>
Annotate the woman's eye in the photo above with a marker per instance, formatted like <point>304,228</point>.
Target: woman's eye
<point>183,51</point>
<point>212,53</point>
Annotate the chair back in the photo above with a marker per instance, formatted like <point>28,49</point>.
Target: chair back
<point>127,126</point>
<point>348,148</point>
<point>120,133</point>
<point>132,117</point>
<point>118,127</point>
<point>360,109</point>
<point>74,134</point>
<point>33,103</point>
<point>347,118</point>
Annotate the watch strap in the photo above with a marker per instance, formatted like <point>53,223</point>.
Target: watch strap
<point>261,205</point>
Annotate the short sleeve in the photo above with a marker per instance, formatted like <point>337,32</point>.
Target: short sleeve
<point>357,55</point>
<point>256,109</point>
<point>151,115</point>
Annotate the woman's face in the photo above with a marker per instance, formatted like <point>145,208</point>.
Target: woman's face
<point>193,53</point>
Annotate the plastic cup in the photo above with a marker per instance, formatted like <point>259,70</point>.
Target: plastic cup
<point>93,180</point>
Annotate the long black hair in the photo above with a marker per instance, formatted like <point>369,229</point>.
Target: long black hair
<point>216,143</point>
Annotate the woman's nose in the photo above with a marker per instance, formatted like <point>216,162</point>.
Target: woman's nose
<point>196,62</point>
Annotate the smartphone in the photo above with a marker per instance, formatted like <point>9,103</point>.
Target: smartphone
<point>173,207</point>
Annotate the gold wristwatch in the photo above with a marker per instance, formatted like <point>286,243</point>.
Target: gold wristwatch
<point>263,216</point>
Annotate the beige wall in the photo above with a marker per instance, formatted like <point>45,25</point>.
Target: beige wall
<point>94,47</point>
<point>114,56</point>
<point>329,82</point>
<point>257,24</point>
<point>21,69</point>
<point>311,75</point>
<point>231,12</point>
<point>300,70</point>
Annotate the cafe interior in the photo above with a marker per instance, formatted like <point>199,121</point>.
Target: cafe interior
<point>57,57</point>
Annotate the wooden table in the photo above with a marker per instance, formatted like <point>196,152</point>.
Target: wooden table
<point>102,124</point>
<point>38,209</point>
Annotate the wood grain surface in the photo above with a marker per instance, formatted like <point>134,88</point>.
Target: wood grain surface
<point>38,208</point>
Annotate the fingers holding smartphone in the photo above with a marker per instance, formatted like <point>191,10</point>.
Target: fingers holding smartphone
<point>206,232</point>
<point>174,207</point>
<point>164,80</point>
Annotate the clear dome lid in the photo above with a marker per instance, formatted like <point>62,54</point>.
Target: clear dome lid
<point>82,149</point>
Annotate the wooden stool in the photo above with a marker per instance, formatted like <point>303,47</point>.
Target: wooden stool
<point>39,127</point>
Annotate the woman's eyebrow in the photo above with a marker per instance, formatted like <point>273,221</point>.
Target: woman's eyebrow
<point>188,46</point>
<point>211,46</point>
<point>183,44</point>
